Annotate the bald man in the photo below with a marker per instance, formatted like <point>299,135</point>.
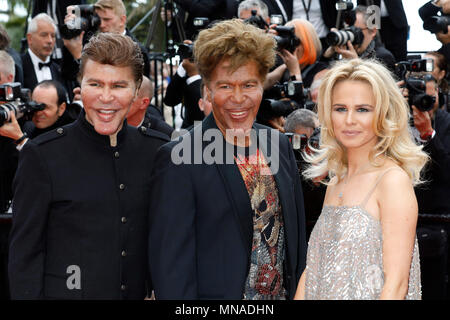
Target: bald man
<point>142,113</point>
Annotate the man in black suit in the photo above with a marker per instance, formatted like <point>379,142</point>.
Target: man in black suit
<point>236,228</point>
<point>36,62</point>
<point>113,18</point>
<point>394,26</point>
<point>184,87</point>
<point>432,129</point>
<point>81,191</point>
<point>432,8</point>
<point>370,47</point>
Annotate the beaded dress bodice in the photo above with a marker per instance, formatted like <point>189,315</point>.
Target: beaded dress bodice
<point>345,258</point>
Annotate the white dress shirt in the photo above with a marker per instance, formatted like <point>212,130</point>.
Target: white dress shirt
<point>41,74</point>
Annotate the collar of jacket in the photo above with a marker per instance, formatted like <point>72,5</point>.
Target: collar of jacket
<point>89,130</point>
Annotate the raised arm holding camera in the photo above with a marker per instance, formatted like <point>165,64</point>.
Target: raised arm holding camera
<point>436,19</point>
<point>359,40</point>
<point>432,128</point>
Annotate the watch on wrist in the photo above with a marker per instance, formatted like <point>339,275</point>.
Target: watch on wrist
<point>427,135</point>
<point>18,141</point>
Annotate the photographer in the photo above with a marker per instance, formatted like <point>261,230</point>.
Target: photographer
<point>184,87</point>
<point>303,124</point>
<point>53,96</point>
<point>83,188</point>
<point>261,19</point>
<point>432,129</point>
<point>111,17</point>
<point>365,43</point>
<point>302,63</point>
<point>440,73</point>
<point>439,25</point>
<point>8,152</point>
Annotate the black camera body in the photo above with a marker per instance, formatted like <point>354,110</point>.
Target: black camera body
<point>340,37</point>
<point>293,90</point>
<point>185,51</point>
<point>293,96</point>
<point>257,20</point>
<point>416,86</point>
<point>14,99</point>
<point>286,38</point>
<point>437,24</point>
<point>87,20</point>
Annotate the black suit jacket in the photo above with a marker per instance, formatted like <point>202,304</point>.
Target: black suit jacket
<point>179,91</point>
<point>394,8</point>
<point>201,221</point>
<point>433,196</point>
<point>30,79</point>
<point>327,7</point>
<point>80,202</point>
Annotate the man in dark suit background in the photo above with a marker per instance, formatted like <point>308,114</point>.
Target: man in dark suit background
<point>184,87</point>
<point>36,62</point>
<point>236,229</point>
<point>394,26</point>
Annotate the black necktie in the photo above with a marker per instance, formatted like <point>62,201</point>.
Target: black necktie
<point>41,65</point>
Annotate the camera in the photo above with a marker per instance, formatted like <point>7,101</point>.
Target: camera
<point>276,19</point>
<point>86,20</point>
<point>14,99</point>
<point>200,23</point>
<point>298,141</point>
<point>257,21</point>
<point>344,5</point>
<point>293,96</point>
<point>286,38</point>
<point>437,24</point>
<point>416,84</point>
<point>295,91</point>
<point>340,37</point>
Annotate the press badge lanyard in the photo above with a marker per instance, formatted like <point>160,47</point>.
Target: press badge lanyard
<point>306,8</point>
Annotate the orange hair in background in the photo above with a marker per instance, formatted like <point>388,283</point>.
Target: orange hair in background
<point>312,47</point>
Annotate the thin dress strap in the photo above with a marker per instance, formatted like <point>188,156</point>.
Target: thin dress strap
<point>363,204</point>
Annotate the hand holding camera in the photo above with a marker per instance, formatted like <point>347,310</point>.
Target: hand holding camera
<point>185,52</point>
<point>11,129</point>
<point>422,121</point>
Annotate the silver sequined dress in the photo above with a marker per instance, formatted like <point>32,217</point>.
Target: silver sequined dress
<point>345,260</point>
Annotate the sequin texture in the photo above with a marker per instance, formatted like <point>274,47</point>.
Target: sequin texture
<point>345,260</point>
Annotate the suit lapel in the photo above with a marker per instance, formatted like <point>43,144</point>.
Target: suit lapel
<point>29,76</point>
<point>285,188</point>
<point>236,192</point>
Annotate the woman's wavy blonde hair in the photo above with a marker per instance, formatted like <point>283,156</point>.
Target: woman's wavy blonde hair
<point>390,124</point>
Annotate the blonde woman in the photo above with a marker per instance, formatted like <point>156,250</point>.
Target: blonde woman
<point>363,245</point>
